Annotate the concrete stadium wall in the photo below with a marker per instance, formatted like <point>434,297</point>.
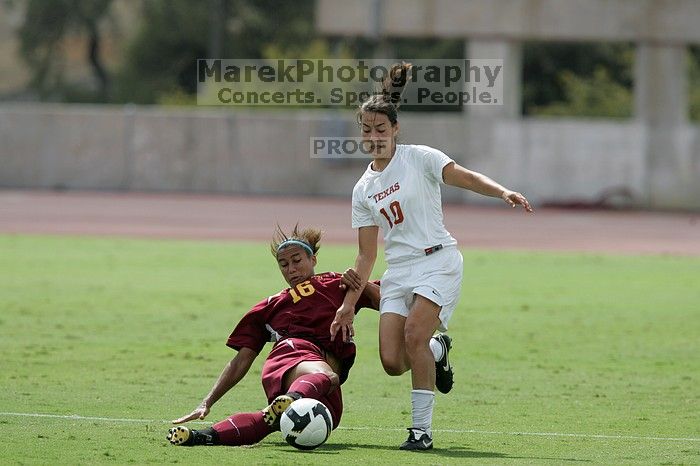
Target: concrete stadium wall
<point>260,152</point>
<point>655,21</point>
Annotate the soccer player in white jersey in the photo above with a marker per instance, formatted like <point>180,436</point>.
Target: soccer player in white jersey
<point>400,193</point>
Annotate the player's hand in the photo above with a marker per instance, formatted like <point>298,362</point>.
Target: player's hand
<point>200,412</point>
<point>343,323</point>
<point>514,199</point>
<point>350,280</point>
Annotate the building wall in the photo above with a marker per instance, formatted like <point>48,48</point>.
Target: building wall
<point>163,149</point>
<point>654,21</point>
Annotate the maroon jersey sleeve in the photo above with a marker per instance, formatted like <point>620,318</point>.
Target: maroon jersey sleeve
<point>251,331</point>
<point>364,301</point>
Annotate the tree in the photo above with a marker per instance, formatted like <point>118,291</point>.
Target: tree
<point>46,24</point>
<point>595,96</point>
<point>578,79</point>
<point>161,60</point>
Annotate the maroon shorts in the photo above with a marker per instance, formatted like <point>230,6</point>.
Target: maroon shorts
<point>286,355</point>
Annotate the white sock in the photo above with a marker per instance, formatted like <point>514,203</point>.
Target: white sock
<point>437,349</point>
<point>422,402</point>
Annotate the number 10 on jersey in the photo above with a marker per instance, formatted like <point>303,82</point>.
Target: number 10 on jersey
<point>396,212</point>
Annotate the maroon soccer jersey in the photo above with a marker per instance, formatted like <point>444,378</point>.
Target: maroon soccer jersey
<point>304,311</point>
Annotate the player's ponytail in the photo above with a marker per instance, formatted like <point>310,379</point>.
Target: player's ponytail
<point>388,100</point>
<point>394,84</point>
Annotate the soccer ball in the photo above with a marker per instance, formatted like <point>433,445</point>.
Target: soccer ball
<point>306,424</point>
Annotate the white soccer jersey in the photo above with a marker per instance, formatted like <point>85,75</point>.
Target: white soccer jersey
<point>405,201</point>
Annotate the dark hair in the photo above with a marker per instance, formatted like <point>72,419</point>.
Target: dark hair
<point>310,236</point>
<point>388,100</point>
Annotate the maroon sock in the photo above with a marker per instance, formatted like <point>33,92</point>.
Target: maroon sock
<point>312,385</point>
<point>242,429</point>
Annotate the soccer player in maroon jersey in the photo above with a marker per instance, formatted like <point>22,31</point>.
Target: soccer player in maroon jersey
<point>303,362</point>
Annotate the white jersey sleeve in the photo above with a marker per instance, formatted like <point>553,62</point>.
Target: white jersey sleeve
<point>361,213</point>
<point>433,162</point>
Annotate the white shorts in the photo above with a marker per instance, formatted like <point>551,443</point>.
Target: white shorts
<point>437,277</point>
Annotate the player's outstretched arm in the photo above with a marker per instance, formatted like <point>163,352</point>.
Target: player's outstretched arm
<point>456,175</point>
<point>234,371</point>
<point>351,280</point>
<point>367,243</point>
<point>371,292</point>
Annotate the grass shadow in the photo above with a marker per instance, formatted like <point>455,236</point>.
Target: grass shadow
<point>453,452</point>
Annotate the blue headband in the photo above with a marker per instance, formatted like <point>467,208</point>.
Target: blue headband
<point>297,242</point>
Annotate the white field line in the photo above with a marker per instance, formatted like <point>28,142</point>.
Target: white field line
<point>76,417</point>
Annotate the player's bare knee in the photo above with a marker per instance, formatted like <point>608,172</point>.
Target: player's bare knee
<point>415,339</point>
<point>393,369</point>
<point>392,364</point>
<point>335,380</point>
<point>328,372</point>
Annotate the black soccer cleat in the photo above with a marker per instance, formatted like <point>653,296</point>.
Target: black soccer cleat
<point>418,440</point>
<point>444,376</point>
<point>273,412</point>
<point>186,437</point>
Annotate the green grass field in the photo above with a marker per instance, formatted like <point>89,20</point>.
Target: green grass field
<point>132,332</point>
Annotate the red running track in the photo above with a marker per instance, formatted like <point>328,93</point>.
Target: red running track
<point>216,217</point>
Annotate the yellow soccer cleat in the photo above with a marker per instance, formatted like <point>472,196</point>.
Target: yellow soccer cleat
<point>271,414</point>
